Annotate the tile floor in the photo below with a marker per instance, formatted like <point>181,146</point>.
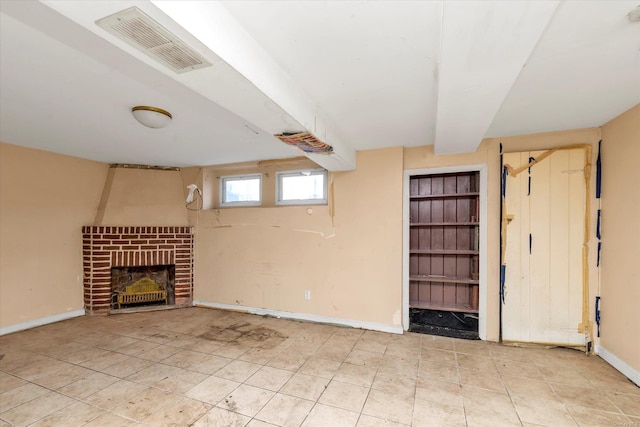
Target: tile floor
<point>206,367</point>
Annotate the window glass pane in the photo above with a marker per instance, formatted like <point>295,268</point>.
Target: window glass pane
<point>241,189</point>
<point>302,187</point>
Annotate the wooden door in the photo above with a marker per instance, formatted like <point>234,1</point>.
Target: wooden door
<point>543,255</point>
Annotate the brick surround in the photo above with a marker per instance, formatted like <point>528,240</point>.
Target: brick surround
<point>104,247</point>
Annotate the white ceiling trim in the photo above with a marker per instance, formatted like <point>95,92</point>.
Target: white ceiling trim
<point>480,59</point>
<point>218,30</point>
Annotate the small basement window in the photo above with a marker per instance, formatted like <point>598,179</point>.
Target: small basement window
<point>301,187</point>
<point>241,190</point>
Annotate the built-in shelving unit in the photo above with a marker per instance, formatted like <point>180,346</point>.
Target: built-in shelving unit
<point>444,246</point>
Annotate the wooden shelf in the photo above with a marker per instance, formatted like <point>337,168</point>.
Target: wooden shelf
<point>444,279</point>
<point>432,306</point>
<point>443,252</point>
<point>443,196</point>
<point>443,224</point>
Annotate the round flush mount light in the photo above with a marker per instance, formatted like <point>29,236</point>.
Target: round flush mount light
<point>151,117</point>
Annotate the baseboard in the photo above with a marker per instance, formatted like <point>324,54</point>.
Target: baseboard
<point>619,364</point>
<point>16,327</point>
<point>382,327</point>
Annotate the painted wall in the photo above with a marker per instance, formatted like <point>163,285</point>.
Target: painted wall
<point>45,199</point>
<point>142,197</point>
<point>347,253</point>
<point>620,289</point>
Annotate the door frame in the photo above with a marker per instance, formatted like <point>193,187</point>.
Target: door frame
<point>408,173</point>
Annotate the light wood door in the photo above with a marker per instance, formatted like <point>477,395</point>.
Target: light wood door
<point>543,280</point>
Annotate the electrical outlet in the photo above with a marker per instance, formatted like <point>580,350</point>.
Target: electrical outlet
<point>307,294</point>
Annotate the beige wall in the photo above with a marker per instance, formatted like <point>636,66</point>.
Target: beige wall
<point>620,289</point>
<point>348,254</point>
<point>45,199</point>
<point>133,196</point>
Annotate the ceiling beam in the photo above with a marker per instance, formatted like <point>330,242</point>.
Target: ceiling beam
<point>484,46</point>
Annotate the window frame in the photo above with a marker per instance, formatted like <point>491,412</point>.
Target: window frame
<point>240,177</point>
<point>296,172</point>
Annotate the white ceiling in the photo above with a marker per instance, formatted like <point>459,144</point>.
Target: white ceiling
<point>357,74</point>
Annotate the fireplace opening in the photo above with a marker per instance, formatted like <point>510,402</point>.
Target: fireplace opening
<point>142,286</point>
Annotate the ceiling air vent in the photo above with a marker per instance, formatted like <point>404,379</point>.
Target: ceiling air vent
<point>140,31</point>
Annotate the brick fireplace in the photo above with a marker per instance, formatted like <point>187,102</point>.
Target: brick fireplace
<point>106,247</point>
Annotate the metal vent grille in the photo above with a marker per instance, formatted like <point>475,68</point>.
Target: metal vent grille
<point>140,31</point>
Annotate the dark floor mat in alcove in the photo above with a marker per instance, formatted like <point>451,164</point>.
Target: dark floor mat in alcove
<point>444,323</point>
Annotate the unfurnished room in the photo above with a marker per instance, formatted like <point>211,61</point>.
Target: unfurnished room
<point>319,213</point>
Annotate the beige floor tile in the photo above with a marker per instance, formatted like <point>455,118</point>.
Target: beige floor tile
<point>339,354</point>
<point>129,366</point>
<point>35,409</point>
<point>115,343</point>
<point>439,392</point>
<point>305,386</point>
<point>289,361</point>
<point>184,359</point>
<point>412,377</point>
<point>355,374</point>
<point>76,414</point>
<point>627,403</point>
<point>114,394</point>
<point>88,385</point>
<point>518,368</point>
<point>389,406</point>
<point>440,372</point>
<point>364,358</point>
<point>269,378</point>
<point>323,416</point>
<point>487,380</point>
<point>338,340</point>
<point>438,356</point>
<point>212,390</point>
<point>111,420</point>
<point>518,386</point>
<point>231,350</point>
<point>283,410</point>
<point>180,381</point>
<point>435,342</point>
<point>346,396</point>
<point>260,355</point>
<point>105,360</point>
<point>369,421</point>
<point>238,371</point>
<point>246,400</point>
<point>19,395</point>
<point>589,417</point>
<point>176,410</point>
<point>371,345</point>
<point>320,367</point>
<point>476,363</point>
<point>210,364</point>
<point>221,417</point>
<point>9,382</point>
<point>542,412</point>
<point>394,383</point>
<point>434,414</point>
<point>583,396</point>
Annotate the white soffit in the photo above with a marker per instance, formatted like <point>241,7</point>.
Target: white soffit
<point>584,72</point>
<point>484,47</point>
<point>294,111</point>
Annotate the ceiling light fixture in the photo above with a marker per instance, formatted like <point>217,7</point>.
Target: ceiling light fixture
<point>151,117</point>
<point>634,15</point>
